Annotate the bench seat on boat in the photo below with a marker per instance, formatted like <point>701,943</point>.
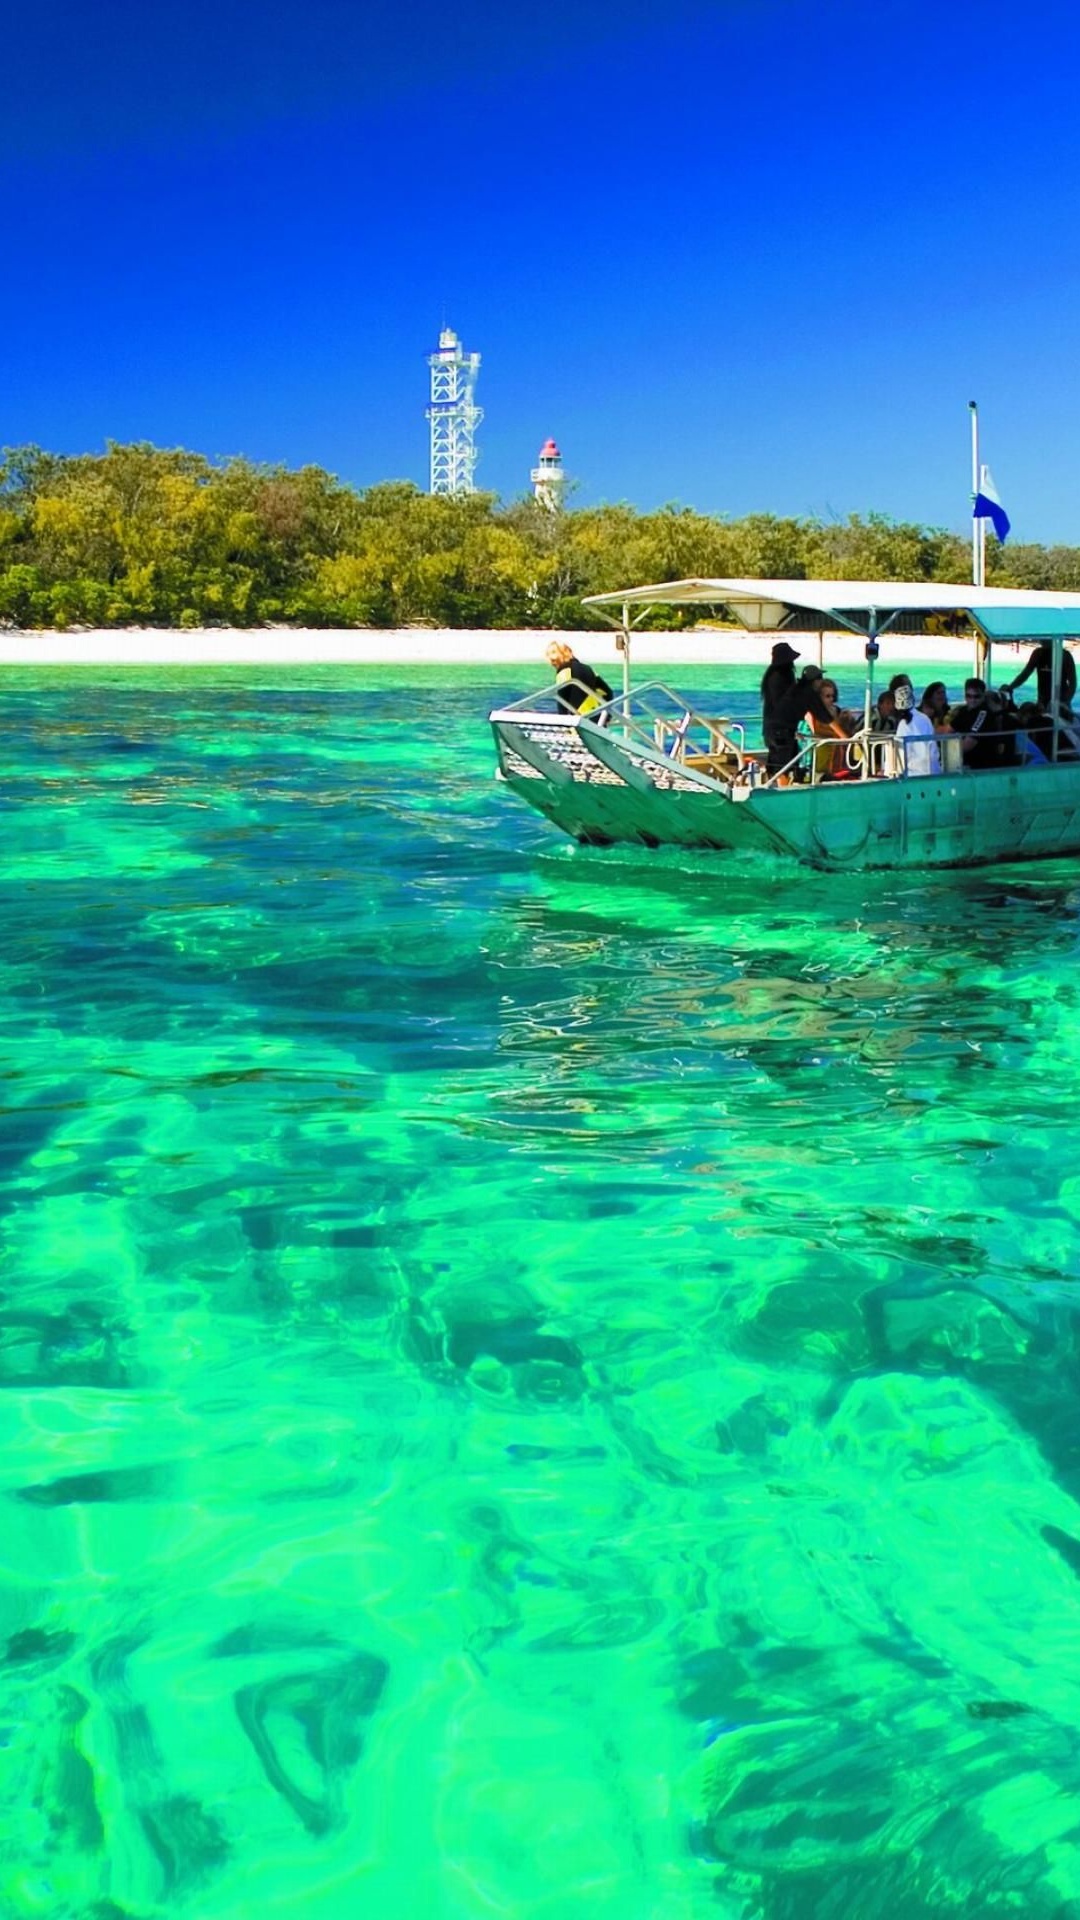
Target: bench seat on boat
<point>719,766</point>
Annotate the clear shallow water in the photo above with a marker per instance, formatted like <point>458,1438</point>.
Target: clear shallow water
<point>535,1382</point>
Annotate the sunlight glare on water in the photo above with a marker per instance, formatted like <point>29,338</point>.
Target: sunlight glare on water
<point>537,1382</point>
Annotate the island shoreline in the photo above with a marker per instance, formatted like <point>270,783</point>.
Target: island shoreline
<point>446,648</point>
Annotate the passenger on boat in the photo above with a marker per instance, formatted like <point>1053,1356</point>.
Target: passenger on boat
<point>1036,734</point>
<point>802,700</point>
<point>884,717</point>
<point>777,680</point>
<point>1041,664</point>
<point>899,680</point>
<point>847,716</point>
<point>830,762</point>
<point>1036,730</point>
<point>580,689</point>
<point>935,704</point>
<point>989,732</point>
<point>915,735</point>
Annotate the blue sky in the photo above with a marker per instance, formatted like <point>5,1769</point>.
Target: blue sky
<point>749,255</point>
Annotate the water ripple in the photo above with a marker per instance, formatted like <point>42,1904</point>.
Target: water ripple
<point>531,1381</point>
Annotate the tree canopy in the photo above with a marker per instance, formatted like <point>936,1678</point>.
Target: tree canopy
<point>144,535</point>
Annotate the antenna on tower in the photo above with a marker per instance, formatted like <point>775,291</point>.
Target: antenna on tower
<point>454,415</point>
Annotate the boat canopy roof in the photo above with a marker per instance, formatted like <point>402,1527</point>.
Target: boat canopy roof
<point>1013,623</point>
<point>767,606</point>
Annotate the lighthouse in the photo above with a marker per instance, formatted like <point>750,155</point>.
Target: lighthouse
<point>548,478</point>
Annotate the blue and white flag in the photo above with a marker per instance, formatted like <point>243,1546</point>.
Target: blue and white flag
<point>988,507</point>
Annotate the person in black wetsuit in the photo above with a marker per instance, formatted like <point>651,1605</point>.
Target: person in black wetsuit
<point>776,682</point>
<point>580,690</point>
<point>802,698</point>
<point>1041,664</point>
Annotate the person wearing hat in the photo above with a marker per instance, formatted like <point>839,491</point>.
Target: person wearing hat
<point>777,680</point>
<point>802,697</point>
<point>915,734</point>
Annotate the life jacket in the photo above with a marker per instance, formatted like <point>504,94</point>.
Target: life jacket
<point>589,701</point>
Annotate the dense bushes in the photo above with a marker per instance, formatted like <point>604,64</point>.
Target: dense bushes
<point>143,535</point>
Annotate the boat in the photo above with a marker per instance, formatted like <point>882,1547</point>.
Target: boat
<point>647,769</point>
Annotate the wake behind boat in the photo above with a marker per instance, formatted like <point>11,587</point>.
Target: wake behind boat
<point>647,768</point>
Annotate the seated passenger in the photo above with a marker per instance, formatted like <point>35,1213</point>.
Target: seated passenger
<point>989,733</point>
<point>1004,720</point>
<point>831,762</point>
<point>849,717</point>
<point>884,716</point>
<point>915,735</point>
<point>1037,729</point>
<point>935,705</point>
<point>1036,734</point>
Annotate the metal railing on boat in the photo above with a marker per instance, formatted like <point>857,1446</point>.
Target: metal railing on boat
<point>828,759</point>
<point>660,720</point>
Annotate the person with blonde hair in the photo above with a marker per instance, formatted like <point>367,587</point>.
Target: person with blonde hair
<point>579,689</point>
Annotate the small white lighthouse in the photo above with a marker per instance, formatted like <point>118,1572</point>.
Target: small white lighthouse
<point>548,478</point>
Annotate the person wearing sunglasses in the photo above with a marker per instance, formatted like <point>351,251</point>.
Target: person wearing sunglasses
<point>989,733</point>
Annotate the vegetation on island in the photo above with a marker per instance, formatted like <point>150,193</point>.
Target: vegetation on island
<point>141,535</point>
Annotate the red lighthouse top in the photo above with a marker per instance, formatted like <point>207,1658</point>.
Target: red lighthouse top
<point>549,451</point>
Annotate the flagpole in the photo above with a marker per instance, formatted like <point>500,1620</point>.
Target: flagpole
<point>978,550</point>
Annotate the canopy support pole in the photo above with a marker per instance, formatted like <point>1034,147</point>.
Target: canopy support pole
<point>1055,693</point>
<point>978,544</point>
<point>872,651</point>
<point>623,643</point>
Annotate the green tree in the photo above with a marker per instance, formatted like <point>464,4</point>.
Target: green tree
<point>162,535</point>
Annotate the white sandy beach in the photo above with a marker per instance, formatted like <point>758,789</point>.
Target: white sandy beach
<point>424,647</point>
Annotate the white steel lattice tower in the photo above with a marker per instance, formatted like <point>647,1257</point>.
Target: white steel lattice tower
<point>548,478</point>
<point>454,415</point>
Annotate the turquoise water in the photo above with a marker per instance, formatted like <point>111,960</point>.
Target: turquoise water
<point>536,1382</point>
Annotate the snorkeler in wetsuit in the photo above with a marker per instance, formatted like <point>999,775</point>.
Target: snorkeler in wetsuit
<point>776,682</point>
<point>580,690</point>
<point>1041,664</point>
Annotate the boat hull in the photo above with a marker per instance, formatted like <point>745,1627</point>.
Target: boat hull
<point>594,786</point>
<point>603,793</point>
